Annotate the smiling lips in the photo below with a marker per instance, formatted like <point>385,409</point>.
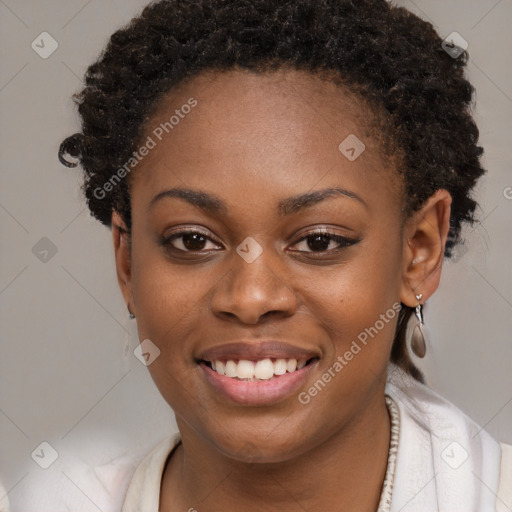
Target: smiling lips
<point>256,373</point>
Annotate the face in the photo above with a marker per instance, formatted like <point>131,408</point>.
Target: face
<point>255,239</point>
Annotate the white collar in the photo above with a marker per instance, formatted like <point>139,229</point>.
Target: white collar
<point>446,462</point>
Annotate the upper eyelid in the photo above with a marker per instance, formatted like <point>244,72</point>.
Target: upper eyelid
<point>323,231</point>
<point>185,231</point>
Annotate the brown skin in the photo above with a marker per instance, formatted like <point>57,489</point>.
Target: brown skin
<point>252,141</point>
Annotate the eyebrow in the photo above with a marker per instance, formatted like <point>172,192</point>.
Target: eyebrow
<point>214,205</point>
<point>202,200</point>
<point>300,202</point>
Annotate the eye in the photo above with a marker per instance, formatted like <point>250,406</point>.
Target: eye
<point>323,241</point>
<point>189,241</point>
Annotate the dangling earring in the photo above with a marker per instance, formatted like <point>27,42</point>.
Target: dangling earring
<point>417,342</point>
<point>132,316</point>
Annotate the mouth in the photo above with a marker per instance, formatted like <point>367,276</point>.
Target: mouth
<point>259,370</point>
<point>257,374</point>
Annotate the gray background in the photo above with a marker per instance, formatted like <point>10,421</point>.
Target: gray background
<point>67,370</point>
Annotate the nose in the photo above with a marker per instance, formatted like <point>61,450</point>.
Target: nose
<point>252,292</point>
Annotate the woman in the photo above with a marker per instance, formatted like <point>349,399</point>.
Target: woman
<point>283,181</point>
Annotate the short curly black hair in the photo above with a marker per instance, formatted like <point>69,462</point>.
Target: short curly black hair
<point>391,58</point>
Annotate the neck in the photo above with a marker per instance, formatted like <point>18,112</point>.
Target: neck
<point>345,472</point>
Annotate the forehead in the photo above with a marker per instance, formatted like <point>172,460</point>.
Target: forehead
<point>276,126</point>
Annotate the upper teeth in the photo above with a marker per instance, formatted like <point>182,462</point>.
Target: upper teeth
<point>263,370</point>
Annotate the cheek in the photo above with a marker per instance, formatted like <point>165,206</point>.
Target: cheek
<point>167,297</point>
<point>168,302</point>
<point>359,301</point>
<point>357,307</point>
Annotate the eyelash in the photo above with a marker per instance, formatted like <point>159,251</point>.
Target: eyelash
<point>342,241</point>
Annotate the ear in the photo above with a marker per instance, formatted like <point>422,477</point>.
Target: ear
<point>120,237</point>
<point>425,235</point>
